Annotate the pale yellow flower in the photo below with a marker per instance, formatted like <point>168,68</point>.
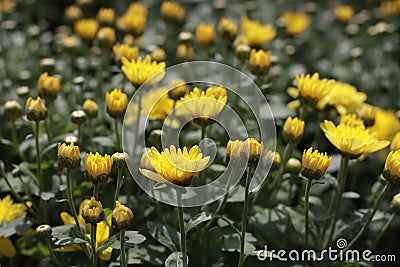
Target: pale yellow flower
<point>256,33</point>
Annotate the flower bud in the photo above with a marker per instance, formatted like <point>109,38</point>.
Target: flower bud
<point>93,212</point>
<point>259,62</point>
<point>253,150</point>
<point>395,204</point>
<point>234,150</point>
<point>227,29</point>
<point>90,107</point>
<point>178,89</point>
<point>35,110</point>
<point>44,231</point>
<point>120,158</point>
<point>172,12</point>
<point>391,171</point>
<point>293,130</point>
<point>70,44</point>
<point>314,164</point>
<point>158,55</point>
<point>12,109</point>
<point>117,102</point>
<point>275,157</point>
<point>97,167</point>
<point>69,155</point>
<point>186,38</point>
<point>205,35</point>
<point>48,86</point>
<point>293,166</point>
<point>106,37</point>
<point>106,16</point>
<point>242,52</point>
<point>78,116</point>
<point>73,13</point>
<point>122,216</point>
<point>184,52</point>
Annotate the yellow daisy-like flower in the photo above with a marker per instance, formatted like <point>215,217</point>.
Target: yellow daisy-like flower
<point>315,164</point>
<point>351,120</point>
<point>8,212</point>
<point>172,12</point>
<point>234,149</point>
<point>138,71</point>
<point>98,167</point>
<point>205,34</point>
<point>117,102</point>
<point>122,216</point>
<point>256,33</point>
<point>93,211</point>
<point>344,13</point>
<point>68,155</point>
<point>259,62</point>
<point>295,22</point>
<point>86,28</point>
<point>252,149</point>
<point>48,86</point>
<point>227,28</point>
<point>293,130</point>
<point>352,141</point>
<point>386,124</point>
<point>175,166</point>
<point>391,171</point>
<point>124,50</point>
<point>395,144</point>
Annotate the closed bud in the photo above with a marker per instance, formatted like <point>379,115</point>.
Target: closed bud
<point>395,204</point>
<point>90,107</point>
<point>44,231</point>
<point>293,166</point>
<point>93,212</point>
<point>35,110</point>
<point>12,109</point>
<point>172,12</point>
<point>68,155</point>
<point>70,44</point>
<point>106,16</point>
<point>227,29</point>
<point>205,35</point>
<point>117,102</point>
<point>178,89</point>
<point>242,52</point>
<point>314,164</point>
<point>293,130</point>
<point>184,52</point>
<point>275,158</point>
<point>391,171</point>
<point>259,62</point>
<point>122,216</point>
<point>106,37</point>
<point>158,55</point>
<point>78,116</point>
<point>120,158</point>
<point>252,149</point>
<point>48,86</point>
<point>185,38</point>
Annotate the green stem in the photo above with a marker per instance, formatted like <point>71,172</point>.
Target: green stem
<point>123,256</point>
<point>71,201</point>
<point>118,186</point>
<point>203,135</point>
<point>374,210</point>
<point>119,146</point>
<point>383,231</point>
<point>38,159</point>
<point>53,256</point>
<point>182,227</point>
<point>225,199</point>
<point>306,209</point>
<point>93,229</point>
<point>344,162</point>
<point>48,131</point>
<point>80,137</point>
<point>96,188</point>
<point>15,140</point>
<point>158,210</point>
<point>137,123</point>
<point>244,219</point>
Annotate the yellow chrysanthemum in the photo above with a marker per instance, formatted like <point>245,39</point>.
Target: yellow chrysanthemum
<point>315,164</point>
<point>172,12</point>
<point>48,86</point>
<point>175,166</point>
<point>117,102</point>
<point>205,34</point>
<point>386,124</point>
<point>392,167</point>
<point>227,28</point>
<point>351,120</point>
<point>259,62</point>
<point>256,33</point>
<point>293,130</point>
<point>295,22</point>
<point>98,167</point>
<point>395,144</point>
<point>344,13</point>
<point>124,50</point>
<point>133,23</point>
<point>138,71</point>
<point>86,28</point>
<point>122,216</point>
<point>234,149</point>
<point>35,109</point>
<point>252,149</point>
<point>8,212</point>
<point>352,141</point>
<point>68,155</point>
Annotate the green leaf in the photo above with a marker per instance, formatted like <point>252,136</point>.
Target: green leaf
<point>232,243</point>
<point>351,195</point>
<point>46,195</point>
<point>20,224</point>
<point>198,219</point>
<point>134,237</point>
<point>175,259</point>
<point>164,234</point>
<point>70,241</point>
<point>47,149</point>
<point>62,231</point>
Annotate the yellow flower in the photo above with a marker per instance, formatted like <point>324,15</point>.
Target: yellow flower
<point>295,22</point>
<point>98,167</point>
<point>352,141</point>
<point>137,8</point>
<point>252,149</point>
<point>122,216</point>
<point>48,86</point>
<point>158,54</point>
<point>311,90</point>
<point>117,102</point>
<point>6,6</point>
<point>315,164</point>
<point>8,212</point>
<point>344,97</point>
<point>259,62</point>
<point>227,28</point>
<point>344,13</point>
<point>68,219</point>
<point>177,89</point>
<point>395,144</point>
<point>106,16</point>
<point>386,124</point>
<point>106,37</point>
<point>35,110</point>
<point>205,34</point>
<point>124,50</point>
<point>69,155</point>
<point>256,33</point>
<point>234,149</point>
<point>86,28</point>
<point>139,71</point>
<point>367,112</point>
<point>216,91</point>
<point>293,130</point>
<point>91,108</point>
<point>390,7</point>
<point>201,106</point>
<point>351,120</point>
<point>172,12</point>
<point>93,212</point>
<point>185,52</point>
<point>391,172</point>
<point>175,166</point>
<point>72,13</point>
<point>273,158</point>
<point>134,23</point>
<point>70,44</point>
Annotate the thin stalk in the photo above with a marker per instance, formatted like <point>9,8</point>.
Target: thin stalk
<point>96,188</point>
<point>48,131</point>
<point>38,159</point>
<point>123,255</point>
<point>119,146</point>
<point>306,209</point>
<point>182,227</point>
<point>53,256</point>
<point>80,135</point>
<point>244,219</point>
<point>15,140</point>
<point>26,191</point>
<point>118,186</point>
<point>344,162</point>
<point>374,210</point>
<point>137,124</point>
<point>158,210</point>
<point>383,231</point>
<point>70,200</point>
<point>225,199</point>
<point>203,135</point>
<point>93,229</point>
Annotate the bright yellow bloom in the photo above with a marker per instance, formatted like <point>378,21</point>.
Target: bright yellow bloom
<point>217,91</point>
<point>124,50</point>
<point>139,71</point>
<point>73,13</point>
<point>344,13</point>
<point>395,144</point>
<point>351,120</point>
<point>35,110</point>
<point>137,8</point>
<point>315,164</point>
<point>117,102</point>
<point>172,12</point>
<point>106,37</point>
<point>122,216</point>
<point>368,113</point>
<point>256,33</point>
<point>86,28</point>
<point>352,141</point>
<point>106,16</point>
<point>175,166</point>
<point>293,130</point>
<point>205,34</point>
<point>133,23</point>
<point>68,155</point>
<point>252,149</point>
<point>93,212</point>
<point>295,22</point>
<point>8,212</point>
<point>344,97</point>
<point>48,86</point>
<point>98,167</point>
<point>227,28</point>
<point>386,124</point>
<point>391,171</point>
<point>201,106</point>
<point>91,108</point>
<point>259,62</point>
<point>234,149</point>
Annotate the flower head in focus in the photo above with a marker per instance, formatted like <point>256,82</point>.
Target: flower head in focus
<point>69,155</point>
<point>117,102</point>
<point>293,130</point>
<point>314,163</point>
<point>253,150</point>
<point>122,216</point>
<point>391,171</point>
<point>98,167</point>
<point>48,86</point>
<point>35,109</point>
